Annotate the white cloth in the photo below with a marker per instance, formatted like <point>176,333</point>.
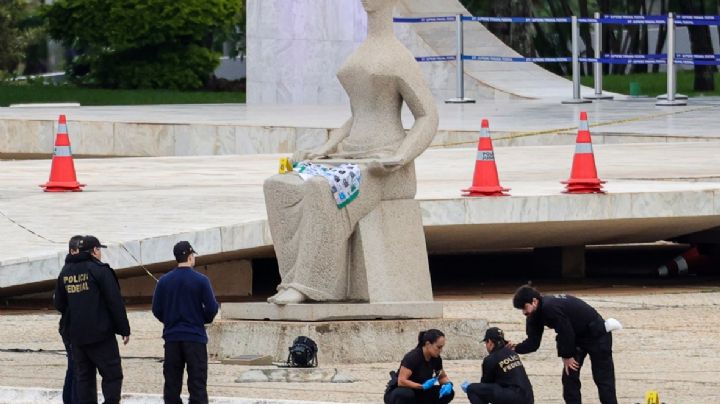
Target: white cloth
<point>612,325</point>
<point>344,180</point>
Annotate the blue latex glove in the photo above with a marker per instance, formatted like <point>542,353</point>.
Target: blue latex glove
<point>429,383</point>
<point>446,389</point>
<point>464,386</point>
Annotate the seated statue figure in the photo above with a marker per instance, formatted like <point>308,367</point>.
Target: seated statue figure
<point>310,233</point>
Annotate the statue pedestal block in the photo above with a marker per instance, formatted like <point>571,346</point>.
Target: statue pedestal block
<point>343,341</point>
<point>331,311</point>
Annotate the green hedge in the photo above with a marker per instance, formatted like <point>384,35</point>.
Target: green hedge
<point>142,43</point>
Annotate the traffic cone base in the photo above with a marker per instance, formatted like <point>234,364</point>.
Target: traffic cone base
<point>62,171</point>
<point>485,178</point>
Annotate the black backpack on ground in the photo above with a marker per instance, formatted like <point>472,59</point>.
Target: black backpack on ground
<point>303,353</point>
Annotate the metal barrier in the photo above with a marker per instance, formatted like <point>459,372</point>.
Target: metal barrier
<point>671,59</point>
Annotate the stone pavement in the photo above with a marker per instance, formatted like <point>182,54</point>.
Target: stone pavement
<point>667,345</point>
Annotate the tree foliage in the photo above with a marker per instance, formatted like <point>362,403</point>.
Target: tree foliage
<point>18,31</point>
<point>142,43</point>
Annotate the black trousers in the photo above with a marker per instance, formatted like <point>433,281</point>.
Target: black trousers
<point>103,357</point>
<point>603,370</point>
<point>69,390</point>
<point>484,393</point>
<point>177,355</point>
<point>404,395</point>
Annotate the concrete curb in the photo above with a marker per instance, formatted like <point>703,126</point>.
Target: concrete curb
<point>18,395</point>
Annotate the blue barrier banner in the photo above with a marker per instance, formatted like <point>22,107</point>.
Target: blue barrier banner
<point>701,62</point>
<point>692,56</point>
<point>423,19</point>
<point>516,59</point>
<point>697,20</point>
<point>435,58</point>
<point>633,19</point>
<point>618,61</point>
<point>617,56</point>
<point>517,19</point>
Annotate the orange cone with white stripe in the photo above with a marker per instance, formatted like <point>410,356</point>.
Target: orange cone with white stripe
<point>485,179</point>
<point>691,261</point>
<point>62,172</point>
<point>583,177</point>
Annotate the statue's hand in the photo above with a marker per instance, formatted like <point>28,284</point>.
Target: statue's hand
<point>385,165</point>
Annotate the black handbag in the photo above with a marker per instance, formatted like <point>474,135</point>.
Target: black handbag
<point>393,382</point>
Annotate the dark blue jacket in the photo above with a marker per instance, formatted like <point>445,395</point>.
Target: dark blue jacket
<point>184,301</point>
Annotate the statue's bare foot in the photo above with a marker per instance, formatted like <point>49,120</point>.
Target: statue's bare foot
<point>288,296</point>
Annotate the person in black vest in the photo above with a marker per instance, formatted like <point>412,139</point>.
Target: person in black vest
<point>69,387</point>
<point>184,302</point>
<point>421,379</point>
<point>88,292</point>
<point>581,331</point>
<point>504,380</point>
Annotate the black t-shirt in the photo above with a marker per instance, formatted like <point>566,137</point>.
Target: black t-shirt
<point>504,367</point>
<point>421,369</point>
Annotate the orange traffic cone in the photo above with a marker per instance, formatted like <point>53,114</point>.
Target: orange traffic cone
<point>584,178</point>
<point>485,180</point>
<point>62,172</point>
<point>691,261</point>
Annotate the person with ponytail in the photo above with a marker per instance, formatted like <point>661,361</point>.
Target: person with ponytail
<point>421,378</point>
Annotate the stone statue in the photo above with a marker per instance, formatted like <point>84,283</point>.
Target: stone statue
<point>310,233</point>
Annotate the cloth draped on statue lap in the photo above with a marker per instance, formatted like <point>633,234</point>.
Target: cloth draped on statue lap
<point>344,179</point>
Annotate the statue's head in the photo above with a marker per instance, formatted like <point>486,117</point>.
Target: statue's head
<point>377,5</point>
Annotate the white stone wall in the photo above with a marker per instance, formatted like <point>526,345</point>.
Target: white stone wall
<point>295,47</point>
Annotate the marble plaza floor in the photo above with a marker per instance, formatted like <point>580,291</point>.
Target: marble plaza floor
<point>651,353</point>
<point>142,206</point>
<point>177,130</point>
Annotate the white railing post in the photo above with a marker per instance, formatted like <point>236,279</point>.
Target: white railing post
<point>577,99</point>
<point>598,67</point>
<point>460,71</point>
<point>671,98</point>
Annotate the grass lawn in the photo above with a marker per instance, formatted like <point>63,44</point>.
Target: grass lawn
<point>651,84</point>
<point>24,94</point>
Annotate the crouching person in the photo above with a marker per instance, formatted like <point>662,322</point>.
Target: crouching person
<point>421,378</point>
<point>504,380</point>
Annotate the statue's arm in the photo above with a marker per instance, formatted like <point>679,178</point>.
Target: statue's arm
<point>419,99</point>
<point>336,136</point>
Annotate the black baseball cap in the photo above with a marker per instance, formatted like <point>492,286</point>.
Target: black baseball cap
<point>182,251</point>
<point>494,334</point>
<point>87,243</point>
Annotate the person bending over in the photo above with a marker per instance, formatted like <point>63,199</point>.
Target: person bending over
<point>581,331</point>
